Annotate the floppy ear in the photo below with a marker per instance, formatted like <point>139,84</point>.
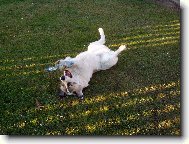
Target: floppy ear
<point>67,73</point>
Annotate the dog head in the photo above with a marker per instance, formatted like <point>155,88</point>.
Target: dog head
<point>66,81</point>
<point>68,87</point>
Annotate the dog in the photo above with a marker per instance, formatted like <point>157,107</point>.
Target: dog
<point>78,71</point>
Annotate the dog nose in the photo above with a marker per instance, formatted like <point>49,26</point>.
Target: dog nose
<point>62,78</point>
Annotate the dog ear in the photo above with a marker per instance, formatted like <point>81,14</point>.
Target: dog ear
<point>67,73</point>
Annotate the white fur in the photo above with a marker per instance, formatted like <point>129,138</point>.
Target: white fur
<point>97,57</point>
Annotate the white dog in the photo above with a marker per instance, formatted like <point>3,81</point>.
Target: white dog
<point>79,70</point>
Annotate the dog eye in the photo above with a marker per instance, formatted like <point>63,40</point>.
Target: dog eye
<point>69,84</point>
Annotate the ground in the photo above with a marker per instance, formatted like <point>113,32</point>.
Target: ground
<point>138,96</point>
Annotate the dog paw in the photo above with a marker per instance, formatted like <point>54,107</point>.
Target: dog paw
<point>122,47</point>
<point>81,97</point>
<point>69,64</point>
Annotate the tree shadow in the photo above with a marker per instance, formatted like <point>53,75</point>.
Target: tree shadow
<point>138,96</point>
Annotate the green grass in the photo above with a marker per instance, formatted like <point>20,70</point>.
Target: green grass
<point>138,96</point>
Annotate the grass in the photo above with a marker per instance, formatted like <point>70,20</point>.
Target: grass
<point>138,96</point>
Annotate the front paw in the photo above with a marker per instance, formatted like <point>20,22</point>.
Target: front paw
<point>65,64</point>
<point>81,97</point>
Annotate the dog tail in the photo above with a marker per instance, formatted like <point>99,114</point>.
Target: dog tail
<point>120,49</point>
<point>102,36</point>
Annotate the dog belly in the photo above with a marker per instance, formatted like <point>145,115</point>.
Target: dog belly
<point>108,60</point>
<point>87,63</point>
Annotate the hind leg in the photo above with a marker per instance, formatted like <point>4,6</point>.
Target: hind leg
<point>114,57</point>
<point>120,49</point>
<point>109,59</point>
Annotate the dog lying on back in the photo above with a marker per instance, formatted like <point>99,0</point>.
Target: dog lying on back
<point>79,70</point>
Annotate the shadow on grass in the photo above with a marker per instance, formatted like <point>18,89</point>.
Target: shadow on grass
<point>152,110</point>
<point>139,96</point>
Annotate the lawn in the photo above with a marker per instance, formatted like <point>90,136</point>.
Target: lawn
<point>138,96</point>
